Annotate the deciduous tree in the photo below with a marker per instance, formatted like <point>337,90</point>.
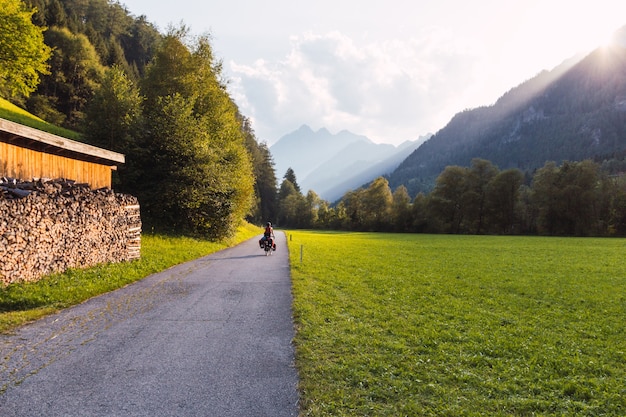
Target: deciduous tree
<point>502,200</point>
<point>114,110</point>
<point>401,210</point>
<point>290,205</point>
<point>376,203</point>
<point>479,177</point>
<point>446,202</point>
<point>23,53</point>
<point>193,151</point>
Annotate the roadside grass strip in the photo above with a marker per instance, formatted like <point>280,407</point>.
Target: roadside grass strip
<point>441,325</point>
<point>24,302</point>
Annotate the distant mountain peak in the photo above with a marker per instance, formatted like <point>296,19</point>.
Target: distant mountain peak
<point>331,163</point>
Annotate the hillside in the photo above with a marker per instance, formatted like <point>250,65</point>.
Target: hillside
<point>10,111</point>
<point>331,164</point>
<point>574,112</point>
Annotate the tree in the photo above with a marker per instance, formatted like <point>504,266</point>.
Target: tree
<point>567,198</point>
<point>112,121</point>
<point>545,198</point>
<point>502,199</point>
<point>480,174</point>
<point>55,14</point>
<point>376,204</point>
<point>23,53</point>
<point>76,73</point>
<point>290,176</point>
<point>422,222</point>
<point>310,215</point>
<point>114,110</point>
<point>579,197</point>
<point>354,218</point>
<point>401,210</point>
<point>617,208</point>
<point>197,175</point>
<point>266,205</point>
<point>326,215</point>
<point>446,202</point>
<point>140,44</point>
<point>171,70</point>
<point>290,204</point>
<point>527,211</point>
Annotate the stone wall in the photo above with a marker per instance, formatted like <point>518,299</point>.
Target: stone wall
<point>49,226</point>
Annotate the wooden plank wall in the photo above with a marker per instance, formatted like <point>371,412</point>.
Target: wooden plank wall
<point>25,164</point>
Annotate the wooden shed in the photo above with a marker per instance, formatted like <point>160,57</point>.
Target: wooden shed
<point>27,153</point>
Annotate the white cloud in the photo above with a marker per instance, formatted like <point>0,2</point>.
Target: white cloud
<point>382,89</point>
<point>349,64</point>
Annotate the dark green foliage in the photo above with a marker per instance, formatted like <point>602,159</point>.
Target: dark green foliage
<point>76,73</point>
<point>114,112</point>
<point>568,199</point>
<point>401,210</point>
<point>291,203</point>
<point>503,200</point>
<point>114,120</point>
<point>290,176</point>
<point>446,203</point>
<point>574,199</point>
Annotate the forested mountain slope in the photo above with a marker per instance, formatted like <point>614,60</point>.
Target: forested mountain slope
<point>574,112</point>
<point>87,37</point>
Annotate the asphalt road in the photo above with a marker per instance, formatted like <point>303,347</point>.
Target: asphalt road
<point>211,337</point>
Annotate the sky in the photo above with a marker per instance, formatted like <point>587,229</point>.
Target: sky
<point>391,70</point>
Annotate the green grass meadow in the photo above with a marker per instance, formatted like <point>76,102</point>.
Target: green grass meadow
<point>442,325</point>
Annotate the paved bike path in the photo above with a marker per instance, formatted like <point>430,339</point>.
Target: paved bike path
<point>211,337</point>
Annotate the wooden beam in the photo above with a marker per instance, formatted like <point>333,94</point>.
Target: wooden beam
<point>59,142</point>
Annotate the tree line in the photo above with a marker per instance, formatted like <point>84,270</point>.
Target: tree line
<point>192,158</point>
<point>573,199</point>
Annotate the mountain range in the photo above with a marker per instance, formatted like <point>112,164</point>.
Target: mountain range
<point>332,164</point>
<point>573,112</point>
<point>576,111</point>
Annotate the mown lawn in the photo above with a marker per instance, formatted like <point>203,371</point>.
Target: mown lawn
<point>423,325</point>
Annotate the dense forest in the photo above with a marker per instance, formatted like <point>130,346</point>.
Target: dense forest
<point>159,98</point>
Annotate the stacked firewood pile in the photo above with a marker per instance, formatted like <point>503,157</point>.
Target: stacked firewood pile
<point>51,225</point>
